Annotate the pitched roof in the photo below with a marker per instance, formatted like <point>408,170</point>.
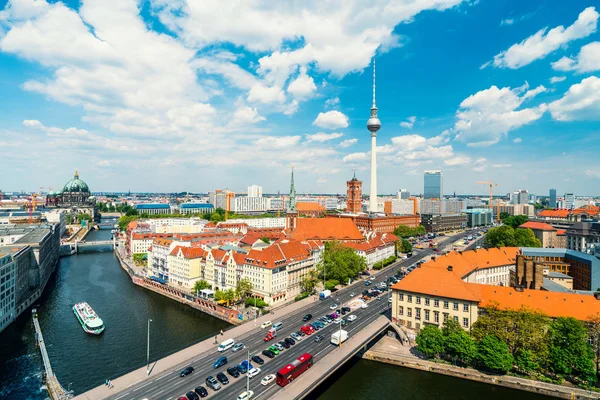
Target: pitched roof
<point>309,206</point>
<point>326,229</point>
<point>538,226</point>
<point>561,232</point>
<point>189,252</point>
<point>280,253</point>
<point>560,213</point>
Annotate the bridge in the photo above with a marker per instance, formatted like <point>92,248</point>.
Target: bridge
<point>162,380</point>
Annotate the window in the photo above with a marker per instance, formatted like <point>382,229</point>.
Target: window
<point>436,303</point>
<point>401,296</point>
<point>410,298</point>
<point>465,307</point>
<point>436,317</point>
<point>455,306</point>
<point>466,322</point>
<point>445,316</point>
<point>426,315</point>
<point>426,301</point>
<point>409,312</point>
<point>418,299</point>
<point>417,313</point>
<point>401,310</point>
<point>446,304</point>
<point>456,318</point>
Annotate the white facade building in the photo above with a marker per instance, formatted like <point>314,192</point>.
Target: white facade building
<point>8,310</point>
<point>250,204</point>
<point>569,201</point>
<point>403,207</point>
<point>260,222</point>
<point>255,191</point>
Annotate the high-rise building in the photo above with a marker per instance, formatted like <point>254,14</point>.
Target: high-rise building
<point>403,194</point>
<point>254,191</point>
<point>373,125</point>
<point>569,201</point>
<point>354,196</point>
<point>433,185</point>
<point>520,196</point>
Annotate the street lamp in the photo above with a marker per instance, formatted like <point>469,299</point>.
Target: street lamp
<point>148,350</point>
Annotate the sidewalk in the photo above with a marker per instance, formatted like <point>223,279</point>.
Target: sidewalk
<point>184,356</point>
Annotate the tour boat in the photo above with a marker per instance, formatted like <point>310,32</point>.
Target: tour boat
<point>89,320</point>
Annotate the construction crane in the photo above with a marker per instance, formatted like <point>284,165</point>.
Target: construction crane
<point>32,204</point>
<point>491,184</point>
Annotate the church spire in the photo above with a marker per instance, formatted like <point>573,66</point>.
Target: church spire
<point>292,207</point>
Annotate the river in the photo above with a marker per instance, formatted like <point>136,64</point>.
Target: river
<point>82,361</point>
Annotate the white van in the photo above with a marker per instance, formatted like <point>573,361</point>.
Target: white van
<point>278,325</point>
<point>226,345</point>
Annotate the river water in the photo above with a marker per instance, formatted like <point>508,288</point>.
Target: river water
<point>82,361</point>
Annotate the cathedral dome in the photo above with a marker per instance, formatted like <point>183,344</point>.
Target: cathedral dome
<point>76,185</point>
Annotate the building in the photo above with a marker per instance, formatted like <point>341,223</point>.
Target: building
<point>250,204</point>
<point>442,223</point>
<point>433,185</point>
<point>442,289</point>
<point>57,217</point>
<point>569,201</point>
<point>373,125</point>
<point>255,191</point>
<point>377,248</point>
<point>403,194</point>
<point>430,206</point>
<point>520,196</point>
<point>582,235</point>
<point>153,208</point>
<point>453,206</point>
<point>354,196</point>
<point>544,232</point>
<point>379,224</point>
<point>221,199</point>
<point>75,198</point>
<point>478,217</point>
<point>552,199</point>
<point>8,310</point>
<point>195,208</point>
<point>403,206</point>
<point>307,209</point>
<point>325,229</point>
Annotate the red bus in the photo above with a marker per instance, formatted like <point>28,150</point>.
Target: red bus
<point>294,369</point>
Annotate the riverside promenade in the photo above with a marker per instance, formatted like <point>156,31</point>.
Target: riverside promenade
<point>391,351</point>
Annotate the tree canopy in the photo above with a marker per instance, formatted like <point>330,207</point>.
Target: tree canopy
<point>431,341</point>
<point>514,221</point>
<point>493,354</point>
<point>506,236</point>
<point>570,353</point>
<point>243,288</point>
<point>201,285</point>
<point>340,262</point>
<point>404,231</point>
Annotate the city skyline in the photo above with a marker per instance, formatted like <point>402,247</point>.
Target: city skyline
<point>213,109</point>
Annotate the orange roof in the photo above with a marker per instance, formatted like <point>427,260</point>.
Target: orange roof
<point>537,226</point>
<point>309,206</point>
<point>561,232</point>
<point>189,252</point>
<point>249,239</point>
<point>162,242</point>
<point>326,229</point>
<point>280,253</point>
<point>560,213</point>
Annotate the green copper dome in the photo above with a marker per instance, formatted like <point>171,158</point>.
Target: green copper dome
<point>76,185</point>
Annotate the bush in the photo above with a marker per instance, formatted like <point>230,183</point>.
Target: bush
<point>493,354</point>
<point>302,296</point>
<point>331,284</point>
<point>379,265</point>
<point>260,303</point>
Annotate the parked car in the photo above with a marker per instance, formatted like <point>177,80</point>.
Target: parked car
<point>290,341</point>
<point>191,396</point>
<point>279,347</point>
<point>267,379</point>
<point>241,368</point>
<point>284,344</point>
<point>352,294</point>
<point>364,305</point>
<point>186,371</point>
<point>220,362</point>
<point>347,309</point>
<point>266,324</point>
<point>258,360</point>
<point>212,383</point>
<point>337,320</point>
<point>307,317</point>
<point>253,372</point>
<point>233,372</point>
<point>274,349</point>
<point>221,377</point>
<point>238,346</point>
<point>268,353</point>
<point>201,391</point>
<point>367,283</point>
<point>296,336</point>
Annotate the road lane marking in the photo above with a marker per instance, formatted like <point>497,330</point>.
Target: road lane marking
<point>139,387</point>
<point>164,376</point>
<point>123,395</point>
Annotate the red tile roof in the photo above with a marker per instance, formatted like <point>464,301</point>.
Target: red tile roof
<point>538,226</point>
<point>326,229</point>
<point>189,252</point>
<point>309,206</point>
<point>561,232</point>
<point>280,253</point>
<point>560,213</point>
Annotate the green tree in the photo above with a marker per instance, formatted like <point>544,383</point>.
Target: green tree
<point>125,220</point>
<point>331,284</point>
<point>514,221</point>
<point>340,262</point>
<point>220,295</point>
<point>405,246</point>
<point>431,341</point>
<point>243,288</point>
<point>201,285</point>
<point>251,302</point>
<point>266,240</point>
<point>68,219</point>
<point>526,362</point>
<point>229,296</point>
<point>83,217</point>
<point>593,326</point>
<point>524,237</point>
<point>130,212</point>
<point>570,353</point>
<point>309,282</point>
<point>506,236</point>
<point>493,354</point>
<point>460,347</point>
<point>451,326</point>
<point>403,231</point>
<point>503,215</point>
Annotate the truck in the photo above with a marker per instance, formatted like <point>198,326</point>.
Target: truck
<point>324,294</point>
<point>339,337</point>
<point>271,334</point>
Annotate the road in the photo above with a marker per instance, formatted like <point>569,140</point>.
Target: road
<point>171,386</point>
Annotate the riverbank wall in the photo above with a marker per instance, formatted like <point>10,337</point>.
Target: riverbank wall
<point>389,350</point>
<point>225,314</point>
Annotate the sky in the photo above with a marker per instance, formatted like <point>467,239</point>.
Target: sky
<point>197,95</point>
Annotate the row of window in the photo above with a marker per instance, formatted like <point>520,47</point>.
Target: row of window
<point>436,315</point>
<point>436,302</point>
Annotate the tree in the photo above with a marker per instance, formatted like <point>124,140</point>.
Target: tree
<point>229,296</point>
<point>83,217</point>
<point>460,346</point>
<point>201,285</point>
<point>266,240</point>
<point>431,341</point>
<point>514,221</point>
<point>570,353</point>
<point>451,326</point>
<point>524,237</point>
<point>309,282</point>
<point>220,295</point>
<point>493,354</point>
<point>130,212</point>
<point>405,246</point>
<point>526,362</point>
<point>340,262</point>
<point>243,288</point>
<point>404,231</point>
<point>593,327</point>
<point>251,302</point>
<point>506,236</point>
<point>68,219</point>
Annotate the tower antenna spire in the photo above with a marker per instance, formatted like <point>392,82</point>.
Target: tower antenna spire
<point>374,106</point>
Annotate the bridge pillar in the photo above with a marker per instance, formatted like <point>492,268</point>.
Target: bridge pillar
<point>76,247</point>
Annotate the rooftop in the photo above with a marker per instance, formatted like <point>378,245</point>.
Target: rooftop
<point>148,206</point>
<point>326,229</point>
<point>538,226</point>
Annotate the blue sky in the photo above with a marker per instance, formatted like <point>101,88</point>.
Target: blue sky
<point>193,95</point>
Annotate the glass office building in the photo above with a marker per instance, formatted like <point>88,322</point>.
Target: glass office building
<point>433,187</point>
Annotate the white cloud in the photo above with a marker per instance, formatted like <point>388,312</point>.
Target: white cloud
<point>556,79</point>
<point>460,160</point>
<point>332,102</point>
<point>266,95</point>
<point>593,173</point>
<point>331,120</point>
<point>480,165</point>
<point>487,116</point>
<point>352,157</point>
<point>278,142</point>
<point>501,165</point>
<point>587,60</point>
<point>409,123</point>
<point>103,163</point>
<point>33,123</point>
<point>517,140</point>
<point>545,42</point>
<point>323,137</point>
<point>246,115</point>
<point>580,102</point>
<point>303,87</point>
<point>507,21</point>
<point>348,142</point>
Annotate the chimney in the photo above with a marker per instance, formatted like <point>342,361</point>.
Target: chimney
<point>449,268</point>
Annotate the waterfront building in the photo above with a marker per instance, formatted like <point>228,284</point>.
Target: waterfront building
<point>153,208</point>
<point>433,185</point>
<point>255,191</point>
<point>75,198</point>
<point>157,257</point>
<point>195,208</point>
<point>186,266</point>
<point>354,196</point>
<point>8,310</point>
<point>552,198</point>
<point>443,223</point>
<point>478,217</point>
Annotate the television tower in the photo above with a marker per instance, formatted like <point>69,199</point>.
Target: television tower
<point>373,125</point>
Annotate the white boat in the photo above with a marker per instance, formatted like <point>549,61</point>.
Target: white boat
<point>89,320</point>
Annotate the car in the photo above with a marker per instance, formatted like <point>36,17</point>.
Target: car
<point>379,298</point>
<point>302,334</point>
<point>233,372</point>
<point>315,326</point>
<point>290,341</point>
<point>325,320</point>
<point>268,353</point>
<point>258,360</point>
<point>266,324</point>
<point>220,362</point>
<point>344,323</point>
<point>343,311</point>
<point>352,294</point>
<point>347,309</point>
<point>367,283</point>
<point>201,391</point>
<point>296,336</point>
<point>274,349</point>
<point>334,315</point>
<point>320,324</point>
<point>212,383</point>
<point>182,398</point>
<point>279,347</point>
<point>246,395</point>
<point>186,371</point>
<point>390,300</point>
<point>241,368</point>
<point>191,396</point>
<point>267,379</point>
<point>364,305</point>
<point>284,344</point>
<point>333,306</point>
<point>253,372</point>
<point>337,320</point>
<point>318,338</point>
<point>221,377</point>
<point>238,346</point>
<point>352,318</point>
<point>307,317</point>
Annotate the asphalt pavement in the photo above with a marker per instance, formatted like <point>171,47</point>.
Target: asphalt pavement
<point>170,386</point>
